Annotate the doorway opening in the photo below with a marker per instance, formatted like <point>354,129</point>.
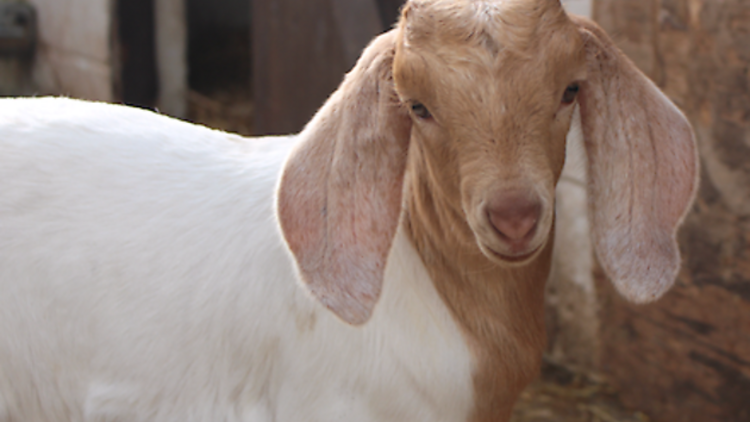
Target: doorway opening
<point>220,64</point>
<point>137,83</point>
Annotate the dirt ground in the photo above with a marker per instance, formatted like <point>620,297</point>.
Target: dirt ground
<point>560,395</point>
<point>228,109</point>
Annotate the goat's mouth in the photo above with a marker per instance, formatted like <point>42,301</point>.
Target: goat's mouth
<point>516,259</point>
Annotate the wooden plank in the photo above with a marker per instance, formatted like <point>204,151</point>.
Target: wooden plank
<point>301,50</point>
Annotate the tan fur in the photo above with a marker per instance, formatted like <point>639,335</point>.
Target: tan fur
<point>492,74</point>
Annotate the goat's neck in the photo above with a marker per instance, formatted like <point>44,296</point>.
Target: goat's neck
<point>501,310</point>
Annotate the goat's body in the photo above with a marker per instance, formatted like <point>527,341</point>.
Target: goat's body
<point>143,277</point>
<point>152,270</point>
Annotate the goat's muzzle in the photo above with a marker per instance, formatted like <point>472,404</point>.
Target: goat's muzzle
<point>514,215</point>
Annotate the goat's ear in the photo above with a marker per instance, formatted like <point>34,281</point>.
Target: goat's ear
<point>643,170</point>
<point>339,198</point>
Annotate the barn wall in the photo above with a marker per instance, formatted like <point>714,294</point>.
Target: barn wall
<point>301,50</point>
<point>73,53</point>
<point>687,357</point>
<point>76,51</point>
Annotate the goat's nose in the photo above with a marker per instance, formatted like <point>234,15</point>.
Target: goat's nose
<point>514,215</point>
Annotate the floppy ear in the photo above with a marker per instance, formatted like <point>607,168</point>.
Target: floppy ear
<point>339,199</point>
<point>643,170</point>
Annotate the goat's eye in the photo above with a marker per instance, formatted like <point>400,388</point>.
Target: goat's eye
<point>421,111</point>
<point>570,94</point>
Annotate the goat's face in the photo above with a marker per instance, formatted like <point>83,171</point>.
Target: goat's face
<point>491,88</point>
<point>492,102</point>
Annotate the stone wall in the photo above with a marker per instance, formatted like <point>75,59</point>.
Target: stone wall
<point>687,357</point>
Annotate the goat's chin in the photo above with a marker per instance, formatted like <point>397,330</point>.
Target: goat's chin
<point>516,259</point>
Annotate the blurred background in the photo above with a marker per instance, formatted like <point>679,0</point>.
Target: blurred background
<point>265,66</point>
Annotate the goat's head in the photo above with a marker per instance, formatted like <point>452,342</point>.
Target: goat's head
<point>492,89</point>
<point>483,91</point>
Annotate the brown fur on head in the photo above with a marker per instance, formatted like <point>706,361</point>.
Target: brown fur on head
<point>493,76</point>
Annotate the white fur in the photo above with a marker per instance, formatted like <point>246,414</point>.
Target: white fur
<point>143,277</point>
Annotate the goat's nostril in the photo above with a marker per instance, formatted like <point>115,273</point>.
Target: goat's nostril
<point>514,216</point>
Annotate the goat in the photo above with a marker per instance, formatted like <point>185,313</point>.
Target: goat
<point>155,270</point>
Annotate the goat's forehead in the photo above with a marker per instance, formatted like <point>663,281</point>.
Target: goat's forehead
<point>558,59</point>
<point>493,24</point>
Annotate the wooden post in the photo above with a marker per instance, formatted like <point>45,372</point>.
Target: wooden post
<point>171,56</point>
